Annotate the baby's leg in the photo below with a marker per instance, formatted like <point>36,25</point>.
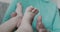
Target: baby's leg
<point>12,23</point>
<point>27,20</point>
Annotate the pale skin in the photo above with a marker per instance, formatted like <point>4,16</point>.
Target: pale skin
<point>23,22</point>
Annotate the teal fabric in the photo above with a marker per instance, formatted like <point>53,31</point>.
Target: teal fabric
<point>47,9</point>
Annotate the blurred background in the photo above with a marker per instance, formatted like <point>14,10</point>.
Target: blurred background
<point>5,3</point>
<point>3,6</point>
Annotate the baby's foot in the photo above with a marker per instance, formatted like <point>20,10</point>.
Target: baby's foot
<point>19,9</point>
<point>18,14</point>
<point>29,14</point>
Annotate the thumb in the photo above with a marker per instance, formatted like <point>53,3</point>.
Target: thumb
<point>13,14</point>
<point>39,23</point>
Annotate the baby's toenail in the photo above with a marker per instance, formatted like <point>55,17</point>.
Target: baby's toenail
<point>34,10</point>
